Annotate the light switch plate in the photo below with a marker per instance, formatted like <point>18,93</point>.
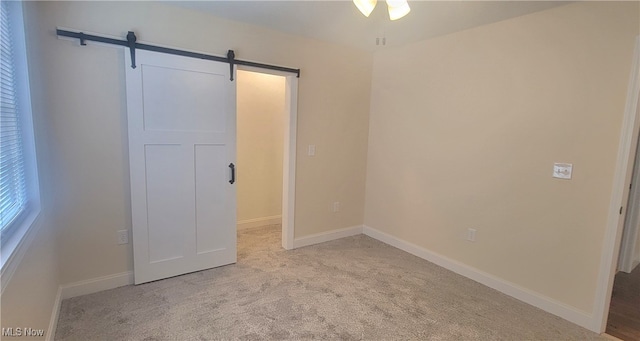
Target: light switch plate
<point>562,170</point>
<point>123,237</point>
<point>312,150</point>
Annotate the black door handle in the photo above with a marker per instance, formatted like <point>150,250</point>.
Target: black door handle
<point>233,173</point>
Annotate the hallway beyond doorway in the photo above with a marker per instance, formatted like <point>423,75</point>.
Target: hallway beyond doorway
<point>624,312</point>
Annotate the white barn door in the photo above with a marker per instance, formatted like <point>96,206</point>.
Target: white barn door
<point>182,132</point>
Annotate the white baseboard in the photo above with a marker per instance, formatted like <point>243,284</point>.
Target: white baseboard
<point>85,287</point>
<point>327,236</point>
<point>55,312</point>
<point>535,299</point>
<point>249,223</point>
<point>94,285</point>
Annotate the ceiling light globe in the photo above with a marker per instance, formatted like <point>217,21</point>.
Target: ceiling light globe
<point>365,6</point>
<point>397,8</point>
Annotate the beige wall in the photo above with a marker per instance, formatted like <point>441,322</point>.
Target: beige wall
<point>87,120</point>
<point>464,131</point>
<point>28,299</point>
<point>260,139</point>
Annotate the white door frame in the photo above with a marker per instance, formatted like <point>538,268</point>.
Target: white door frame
<point>289,155</point>
<point>621,181</point>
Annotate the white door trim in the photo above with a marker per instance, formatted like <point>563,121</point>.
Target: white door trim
<point>289,162</point>
<point>289,155</point>
<point>621,180</point>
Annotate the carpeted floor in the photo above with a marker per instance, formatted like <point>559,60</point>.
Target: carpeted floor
<point>350,289</point>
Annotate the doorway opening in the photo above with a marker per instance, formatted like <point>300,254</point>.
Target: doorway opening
<point>266,116</point>
<point>623,319</point>
<point>624,311</point>
<point>623,208</point>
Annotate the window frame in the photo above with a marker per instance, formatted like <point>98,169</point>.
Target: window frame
<point>18,234</point>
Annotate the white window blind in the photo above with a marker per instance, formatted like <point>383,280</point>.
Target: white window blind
<point>13,196</point>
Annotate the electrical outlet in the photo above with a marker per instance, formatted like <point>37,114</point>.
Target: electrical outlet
<point>336,206</point>
<point>471,235</point>
<point>123,237</point>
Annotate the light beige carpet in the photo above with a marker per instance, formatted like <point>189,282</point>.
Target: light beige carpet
<point>354,288</point>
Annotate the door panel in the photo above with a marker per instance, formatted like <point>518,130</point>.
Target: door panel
<point>211,174</point>
<point>166,208</point>
<point>183,100</point>
<point>181,116</point>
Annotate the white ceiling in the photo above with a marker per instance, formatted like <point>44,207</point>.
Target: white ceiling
<point>341,22</point>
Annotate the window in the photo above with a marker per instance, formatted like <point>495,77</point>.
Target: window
<point>13,196</point>
<point>19,197</point>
